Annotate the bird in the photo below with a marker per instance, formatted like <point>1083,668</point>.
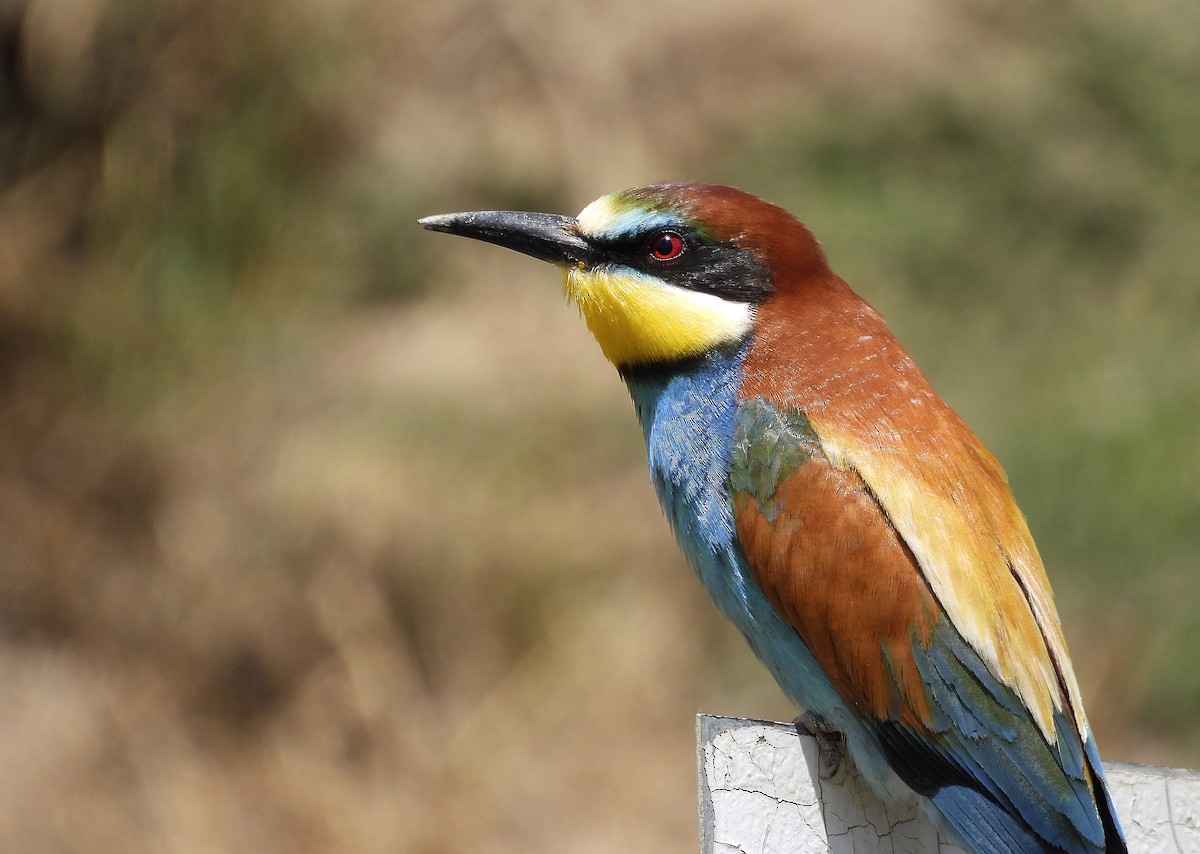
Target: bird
<point>840,514</point>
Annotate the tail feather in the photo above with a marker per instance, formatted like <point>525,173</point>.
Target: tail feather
<point>983,826</point>
<point>1114,837</point>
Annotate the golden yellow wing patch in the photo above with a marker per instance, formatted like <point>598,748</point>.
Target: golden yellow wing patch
<point>958,518</point>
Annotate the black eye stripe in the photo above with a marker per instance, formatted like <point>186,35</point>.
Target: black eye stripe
<point>721,269</point>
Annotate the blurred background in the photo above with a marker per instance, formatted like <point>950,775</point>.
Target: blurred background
<point>322,533</point>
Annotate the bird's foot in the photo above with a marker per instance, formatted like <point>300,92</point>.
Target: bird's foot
<point>831,744</point>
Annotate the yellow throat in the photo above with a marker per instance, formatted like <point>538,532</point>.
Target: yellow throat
<point>640,320</point>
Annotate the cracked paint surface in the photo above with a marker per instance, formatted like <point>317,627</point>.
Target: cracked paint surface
<point>762,794</point>
<point>1159,807</point>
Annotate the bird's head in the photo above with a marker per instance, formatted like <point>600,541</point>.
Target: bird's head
<point>661,273</point>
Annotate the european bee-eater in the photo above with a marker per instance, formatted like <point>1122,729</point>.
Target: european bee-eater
<point>840,514</point>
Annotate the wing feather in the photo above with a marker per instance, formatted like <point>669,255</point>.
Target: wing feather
<point>952,507</point>
<point>952,713</point>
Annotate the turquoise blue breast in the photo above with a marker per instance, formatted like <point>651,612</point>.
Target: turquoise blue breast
<point>688,413</point>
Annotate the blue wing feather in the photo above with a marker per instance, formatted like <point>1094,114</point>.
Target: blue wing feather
<point>980,743</point>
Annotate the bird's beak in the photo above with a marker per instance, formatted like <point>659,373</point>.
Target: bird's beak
<point>550,237</point>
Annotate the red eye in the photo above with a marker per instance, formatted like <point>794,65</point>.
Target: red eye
<point>665,246</point>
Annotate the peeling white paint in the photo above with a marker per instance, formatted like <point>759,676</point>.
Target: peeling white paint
<point>761,793</point>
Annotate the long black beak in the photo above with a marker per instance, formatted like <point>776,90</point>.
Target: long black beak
<point>550,237</point>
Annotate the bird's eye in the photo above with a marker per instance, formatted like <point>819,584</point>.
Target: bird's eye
<point>665,246</point>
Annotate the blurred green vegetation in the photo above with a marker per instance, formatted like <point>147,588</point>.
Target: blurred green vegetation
<point>320,533</point>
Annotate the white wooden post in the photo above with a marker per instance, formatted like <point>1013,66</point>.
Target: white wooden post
<point>761,793</point>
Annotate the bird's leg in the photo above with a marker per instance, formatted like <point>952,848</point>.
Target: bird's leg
<point>830,742</point>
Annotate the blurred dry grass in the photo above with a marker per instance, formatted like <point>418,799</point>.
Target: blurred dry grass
<point>317,533</point>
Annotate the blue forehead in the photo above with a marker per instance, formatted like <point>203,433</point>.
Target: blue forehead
<point>618,216</point>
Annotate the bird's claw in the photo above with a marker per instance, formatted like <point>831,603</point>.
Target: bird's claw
<point>830,742</point>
